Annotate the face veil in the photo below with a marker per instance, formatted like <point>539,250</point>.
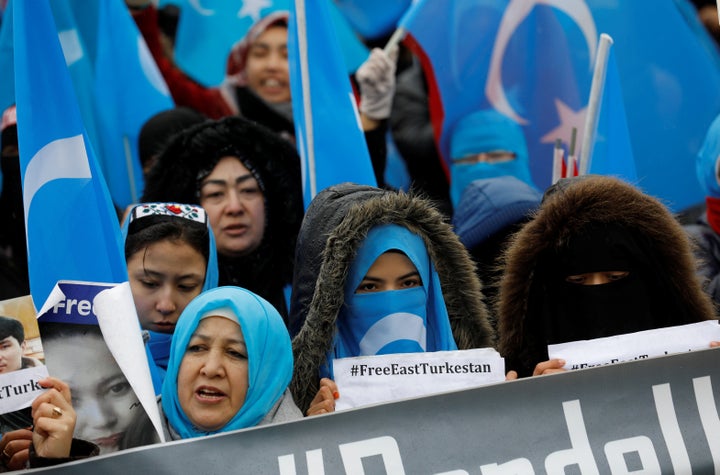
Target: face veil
<point>566,311</point>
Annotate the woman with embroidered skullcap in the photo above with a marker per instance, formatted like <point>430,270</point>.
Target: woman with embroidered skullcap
<point>171,258</point>
<point>248,181</point>
<point>600,258</point>
<point>377,272</point>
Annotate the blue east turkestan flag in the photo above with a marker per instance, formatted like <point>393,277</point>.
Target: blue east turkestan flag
<point>128,90</point>
<point>373,19</point>
<point>208,29</point>
<point>327,126</point>
<point>72,229</point>
<point>532,61</point>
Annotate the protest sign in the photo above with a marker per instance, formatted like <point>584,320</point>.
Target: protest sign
<point>21,366</point>
<point>636,346</point>
<point>92,341</point>
<point>651,416</point>
<point>382,378</point>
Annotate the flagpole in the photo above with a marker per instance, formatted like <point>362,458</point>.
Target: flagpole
<point>397,37</point>
<point>305,78</point>
<point>593,111</point>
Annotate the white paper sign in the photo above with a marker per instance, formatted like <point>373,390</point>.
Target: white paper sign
<point>18,389</point>
<point>367,380</point>
<point>636,346</point>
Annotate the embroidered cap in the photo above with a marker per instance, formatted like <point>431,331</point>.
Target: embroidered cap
<point>178,210</point>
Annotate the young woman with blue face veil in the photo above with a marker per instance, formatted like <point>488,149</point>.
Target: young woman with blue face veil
<point>171,258</point>
<point>407,320</point>
<point>344,306</point>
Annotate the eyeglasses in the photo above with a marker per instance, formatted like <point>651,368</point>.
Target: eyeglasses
<point>494,156</point>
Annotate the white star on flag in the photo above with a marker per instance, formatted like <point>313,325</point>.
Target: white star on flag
<point>568,119</point>
<point>252,8</point>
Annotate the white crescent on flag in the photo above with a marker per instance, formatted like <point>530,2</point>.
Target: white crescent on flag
<point>386,330</point>
<point>514,15</point>
<point>62,158</point>
<point>200,9</point>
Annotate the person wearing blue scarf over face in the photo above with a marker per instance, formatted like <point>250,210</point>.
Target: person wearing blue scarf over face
<point>486,144</point>
<point>229,368</point>
<point>377,272</point>
<point>411,319</point>
<point>171,258</point>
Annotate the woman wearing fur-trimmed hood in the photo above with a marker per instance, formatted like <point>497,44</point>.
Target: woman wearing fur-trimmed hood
<point>587,225</point>
<point>337,225</point>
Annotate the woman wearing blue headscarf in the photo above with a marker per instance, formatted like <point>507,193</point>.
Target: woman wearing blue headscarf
<point>229,368</point>
<point>378,272</point>
<point>171,258</point>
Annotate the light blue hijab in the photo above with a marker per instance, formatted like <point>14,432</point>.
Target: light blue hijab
<point>270,359</point>
<point>394,321</point>
<point>486,131</point>
<point>158,345</point>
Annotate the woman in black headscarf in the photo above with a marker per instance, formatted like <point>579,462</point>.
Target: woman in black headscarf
<point>600,258</point>
<point>248,180</point>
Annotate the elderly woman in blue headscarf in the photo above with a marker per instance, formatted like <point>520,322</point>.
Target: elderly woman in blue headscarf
<point>171,258</point>
<point>486,144</point>
<point>229,368</point>
<point>377,272</point>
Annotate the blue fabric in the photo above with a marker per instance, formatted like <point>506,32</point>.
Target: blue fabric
<point>116,82</point>
<point>270,359</point>
<point>543,56</point>
<point>7,85</point>
<point>72,228</point>
<point>361,312</point>
<point>337,152</point>
<point>128,90</point>
<point>158,347</point>
<point>487,206</point>
<point>373,19</point>
<point>486,131</point>
<point>612,152</point>
<point>206,32</point>
<point>706,164</point>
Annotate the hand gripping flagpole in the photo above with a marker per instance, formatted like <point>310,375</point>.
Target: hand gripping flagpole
<point>593,112</point>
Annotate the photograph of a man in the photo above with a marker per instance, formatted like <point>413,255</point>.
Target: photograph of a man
<point>12,346</point>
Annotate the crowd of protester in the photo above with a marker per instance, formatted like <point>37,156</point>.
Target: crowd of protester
<point>245,298</point>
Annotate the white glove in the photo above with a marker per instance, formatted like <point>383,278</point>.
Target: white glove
<point>376,78</point>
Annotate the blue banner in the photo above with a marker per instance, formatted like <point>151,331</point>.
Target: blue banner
<point>651,416</point>
<point>72,228</point>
